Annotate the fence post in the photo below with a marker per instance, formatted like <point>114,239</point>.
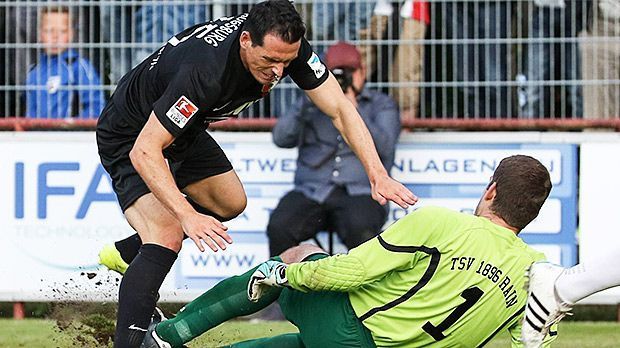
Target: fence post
<point>18,310</point>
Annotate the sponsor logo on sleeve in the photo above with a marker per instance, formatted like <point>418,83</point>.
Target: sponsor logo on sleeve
<point>316,65</point>
<point>182,111</point>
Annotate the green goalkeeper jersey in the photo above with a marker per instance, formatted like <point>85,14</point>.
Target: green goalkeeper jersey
<point>435,277</point>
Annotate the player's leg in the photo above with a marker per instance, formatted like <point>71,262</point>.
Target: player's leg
<point>295,219</point>
<point>226,300</point>
<point>291,340</point>
<point>118,256</point>
<point>325,318</point>
<point>543,307</point>
<point>589,277</point>
<point>160,231</point>
<point>553,290</point>
<point>212,187</point>
<point>355,218</point>
<point>161,234</point>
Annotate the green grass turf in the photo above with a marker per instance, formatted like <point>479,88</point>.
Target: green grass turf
<point>44,333</point>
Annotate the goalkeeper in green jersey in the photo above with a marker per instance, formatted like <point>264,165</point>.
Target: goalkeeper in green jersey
<point>434,278</point>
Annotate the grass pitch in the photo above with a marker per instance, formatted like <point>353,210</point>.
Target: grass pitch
<point>46,333</point>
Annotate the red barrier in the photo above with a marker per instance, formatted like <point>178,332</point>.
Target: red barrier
<point>266,124</point>
<point>511,124</point>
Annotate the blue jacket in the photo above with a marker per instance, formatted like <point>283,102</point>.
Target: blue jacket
<point>325,160</point>
<point>51,92</point>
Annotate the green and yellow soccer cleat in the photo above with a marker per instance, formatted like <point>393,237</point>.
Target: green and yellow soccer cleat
<point>111,258</point>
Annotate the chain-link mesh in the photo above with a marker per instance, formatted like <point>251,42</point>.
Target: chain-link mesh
<point>525,59</point>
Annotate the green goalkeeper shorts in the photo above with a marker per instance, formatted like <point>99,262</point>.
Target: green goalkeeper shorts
<point>324,319</point>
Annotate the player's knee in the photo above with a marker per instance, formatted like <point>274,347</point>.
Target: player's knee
<point>174,245</point>
<point>169,235</point>
<point>223,211</point>
<point>167,239</point>
<point>234,208</point>
<point>300,252</point>
<point>235,205</point>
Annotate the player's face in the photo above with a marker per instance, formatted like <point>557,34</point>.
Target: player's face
<point>56,32</point>
<point>267,62</point>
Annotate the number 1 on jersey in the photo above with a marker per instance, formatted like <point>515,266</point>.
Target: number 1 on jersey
<point>471,296</point>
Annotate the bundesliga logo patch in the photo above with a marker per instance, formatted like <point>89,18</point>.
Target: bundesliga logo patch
<point>182,111</point>
<point>315,64</point>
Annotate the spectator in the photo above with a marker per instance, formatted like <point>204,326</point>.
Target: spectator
<point>116,22</point>
<point>331,21</point>
<point>332,190</point>
<point>52,81</point>
<point>547,61</point>
<point>19,19</point>
<point>484,60</point>
<point>155,24</point>
<point>601,61</point>
<point>375,32</point>
<point>410,55</point>
<point>339,20</point>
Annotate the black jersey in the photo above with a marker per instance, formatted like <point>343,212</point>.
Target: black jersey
<point>196,78</point>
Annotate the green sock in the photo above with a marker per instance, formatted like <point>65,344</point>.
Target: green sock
<point>226,300</point>
<point>291,340</point>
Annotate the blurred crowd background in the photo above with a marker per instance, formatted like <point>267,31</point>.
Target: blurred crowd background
<point>440,59</point>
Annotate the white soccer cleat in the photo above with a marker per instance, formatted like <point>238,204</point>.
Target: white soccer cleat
<point>544,308</point>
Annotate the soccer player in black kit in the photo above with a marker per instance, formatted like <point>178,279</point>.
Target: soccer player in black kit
<point>171,178</point>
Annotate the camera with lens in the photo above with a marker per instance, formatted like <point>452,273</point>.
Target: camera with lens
<point>344,76</point>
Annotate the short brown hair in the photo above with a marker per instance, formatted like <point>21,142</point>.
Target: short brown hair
<point>523,185</point>
<point>57,9</point>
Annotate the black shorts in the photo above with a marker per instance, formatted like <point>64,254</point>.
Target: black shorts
<point>202,158</point>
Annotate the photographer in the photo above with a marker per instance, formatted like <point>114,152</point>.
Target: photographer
<point>332,191</point>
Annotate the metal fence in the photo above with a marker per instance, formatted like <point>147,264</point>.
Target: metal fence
<point>469,60</point>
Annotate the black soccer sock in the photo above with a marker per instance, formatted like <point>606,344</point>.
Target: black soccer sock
<point>138,293</point>
<point>129,246</point>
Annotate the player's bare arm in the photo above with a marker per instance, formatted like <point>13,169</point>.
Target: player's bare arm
<point>148,159</point>
<point>330,99</point>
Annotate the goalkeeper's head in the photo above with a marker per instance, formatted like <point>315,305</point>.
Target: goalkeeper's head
<point>516,192</point>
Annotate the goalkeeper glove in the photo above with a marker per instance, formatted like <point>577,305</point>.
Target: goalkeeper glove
<point>268,274</point>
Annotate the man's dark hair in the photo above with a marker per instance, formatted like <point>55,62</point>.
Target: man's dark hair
<point>276,17</point>
<point>523,185</point>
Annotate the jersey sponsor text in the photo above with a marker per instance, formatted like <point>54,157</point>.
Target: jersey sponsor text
<point>492,273</point>
<point>215,36</point>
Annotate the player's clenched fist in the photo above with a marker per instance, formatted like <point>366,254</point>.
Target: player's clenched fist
<point>269,273</point>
